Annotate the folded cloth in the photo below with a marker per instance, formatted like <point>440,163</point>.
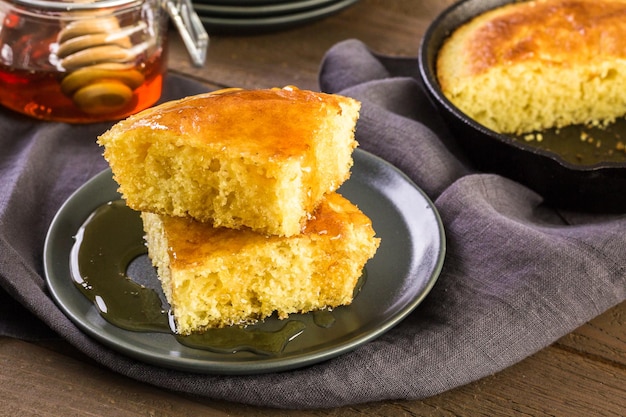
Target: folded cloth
<point>517,276</point>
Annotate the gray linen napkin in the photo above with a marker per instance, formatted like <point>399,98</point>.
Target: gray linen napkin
<point>517,276</point>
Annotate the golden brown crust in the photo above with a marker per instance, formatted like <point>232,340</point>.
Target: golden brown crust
<point>194,242</point>
<point>562,32</point>
<point>535,65</point>
<point>270,123</point>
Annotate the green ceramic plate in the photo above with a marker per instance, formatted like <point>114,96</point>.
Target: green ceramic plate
<point>399,277</point>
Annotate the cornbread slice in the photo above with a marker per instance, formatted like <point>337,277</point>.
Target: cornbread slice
<point>216,277</point>
<point>256,158</point>
<point>528,66</point>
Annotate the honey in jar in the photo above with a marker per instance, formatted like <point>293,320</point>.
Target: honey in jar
<point>82,62</point>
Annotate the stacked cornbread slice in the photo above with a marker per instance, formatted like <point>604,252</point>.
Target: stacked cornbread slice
<point>237,194</point>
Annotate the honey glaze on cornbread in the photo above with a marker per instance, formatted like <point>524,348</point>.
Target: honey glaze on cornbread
<point>196,241</point>
<point>239,124</point>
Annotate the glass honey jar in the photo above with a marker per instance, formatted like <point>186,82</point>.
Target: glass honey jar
<point>89,60</point>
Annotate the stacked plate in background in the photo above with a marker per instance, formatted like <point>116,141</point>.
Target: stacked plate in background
<point>246,16</point>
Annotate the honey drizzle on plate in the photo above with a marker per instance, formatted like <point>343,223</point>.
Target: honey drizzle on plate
<point>106,246</point>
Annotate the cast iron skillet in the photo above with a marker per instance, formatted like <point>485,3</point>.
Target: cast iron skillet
<point>566,171</point>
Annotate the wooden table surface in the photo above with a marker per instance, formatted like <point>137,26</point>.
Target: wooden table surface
<point>582,374</point>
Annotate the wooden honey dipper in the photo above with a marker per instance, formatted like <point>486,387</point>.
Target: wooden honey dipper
<point>100,60</point>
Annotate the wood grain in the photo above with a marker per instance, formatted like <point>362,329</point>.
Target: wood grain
<point>293,56</point>
<point>603,338</point>
<point>54,381</point>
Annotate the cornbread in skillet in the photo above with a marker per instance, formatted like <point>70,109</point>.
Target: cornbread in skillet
<point>534,65</point>
<point>261,159</point>
<point>216,277</point>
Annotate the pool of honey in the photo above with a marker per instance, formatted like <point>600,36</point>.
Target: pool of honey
<point>106,267</point>
<point>582,145</point>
